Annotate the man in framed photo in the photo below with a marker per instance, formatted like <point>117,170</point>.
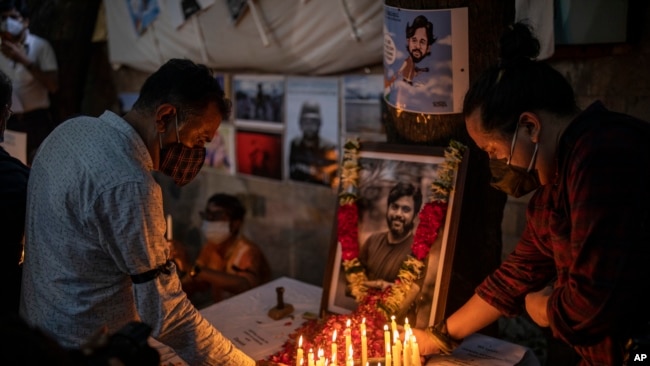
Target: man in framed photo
<point>383,252</point>
<point>312,158</point>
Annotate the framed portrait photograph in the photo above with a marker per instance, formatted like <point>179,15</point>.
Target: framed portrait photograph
<point>403,216</point>
<point>362,107</point>
<point>259,154</point>
<point>259,101</point>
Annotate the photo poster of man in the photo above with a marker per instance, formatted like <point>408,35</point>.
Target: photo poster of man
<point>259,154</point>
<point>379,174</point>
<point>220,151</point>
<point>259,101</point>
<point>312,130</point>
<point>426,59</point>
<point>362,107</point>
<point>143,13</point>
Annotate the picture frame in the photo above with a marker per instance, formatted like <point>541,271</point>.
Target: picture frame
<point>381,166</point>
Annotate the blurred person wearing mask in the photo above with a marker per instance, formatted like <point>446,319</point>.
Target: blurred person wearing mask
<point>13,202</point>
<point>95,252</point>
<point>30,63</point>
<point>228,263</point>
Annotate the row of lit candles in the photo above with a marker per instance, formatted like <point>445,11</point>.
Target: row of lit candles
<point>396,353</point>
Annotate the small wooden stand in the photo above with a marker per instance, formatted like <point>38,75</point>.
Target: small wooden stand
<point>281,309</point>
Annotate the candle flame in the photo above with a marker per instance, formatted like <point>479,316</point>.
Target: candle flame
<point>363,320</point>
<point>334,336</point>
<point>347,323</point>
<point>321,353</point>
<point>386,327</point>
<point>300,342</point>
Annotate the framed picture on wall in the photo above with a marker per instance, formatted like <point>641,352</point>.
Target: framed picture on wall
<point>259,101</point>
<point>407,208</point>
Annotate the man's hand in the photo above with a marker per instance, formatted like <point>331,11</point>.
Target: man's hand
<point>14,51</point>
<point>536,304</point>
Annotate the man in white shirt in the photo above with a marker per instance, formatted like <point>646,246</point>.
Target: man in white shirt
<point>95,248</point>
<point>30,63</point>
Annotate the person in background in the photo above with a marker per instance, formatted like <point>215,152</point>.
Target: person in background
<point>96,255</point>
<point>581,263</point>
<point>228,263</point>
<point>311,158</point>
<point>13,196</point>
<point>30,63</point>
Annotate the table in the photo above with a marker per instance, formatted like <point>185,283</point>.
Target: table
<point>243,318</point>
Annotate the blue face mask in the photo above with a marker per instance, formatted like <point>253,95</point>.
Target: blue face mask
<point>12,26</point>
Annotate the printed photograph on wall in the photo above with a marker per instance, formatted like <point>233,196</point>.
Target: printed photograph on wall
<point>143,13</point>
<point>258,101</point>
<point>394,190</point>
<point>312,130</point>
<point>259,154</point>
<point>426,61</point>
<point>219,152</point>
<point>362,107</point>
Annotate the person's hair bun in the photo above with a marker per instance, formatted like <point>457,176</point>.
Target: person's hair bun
<point>517,43</point>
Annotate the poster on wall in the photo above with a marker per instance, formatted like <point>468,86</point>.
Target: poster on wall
<point>361,113</point>
<point>219,152</point>
<point>143,13</point>
<point>426,59</point>
<point>180,12</point>
<point>258,101</point>
<point>312,132</point>
<point>259,154</point>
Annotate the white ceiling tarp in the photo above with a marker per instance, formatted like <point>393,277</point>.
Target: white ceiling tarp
<point>309,37</point>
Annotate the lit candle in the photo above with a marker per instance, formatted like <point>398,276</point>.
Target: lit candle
<point>310,358</point>
<point>169,228</point>
<point>348,338</point>
<point>364,347</point>
<point>350,359</point>
<point>415,351</point>
<point>407,326</point>
<point>388,359</point>
<point>321,357</point>
<point>406,352</point>
<point>393,324</point>
<point>334,349</point>
<point>397,349</point>
<point>386,337</point>
<point>299,355</point>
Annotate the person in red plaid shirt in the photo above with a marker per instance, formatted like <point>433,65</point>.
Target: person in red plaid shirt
<point>582,264</point>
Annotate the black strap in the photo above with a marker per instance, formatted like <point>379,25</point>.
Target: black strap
<point>165,268</point>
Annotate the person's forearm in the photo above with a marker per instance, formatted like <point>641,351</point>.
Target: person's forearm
<point>471,317</point>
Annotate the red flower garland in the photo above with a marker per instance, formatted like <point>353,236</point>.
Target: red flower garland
<point>348,230</point>
<point>431,217</point>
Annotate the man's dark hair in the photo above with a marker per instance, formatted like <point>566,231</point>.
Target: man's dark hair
<point>6,89</point>
<point>19,5</point>
<point>231,204</point>
<point>405,189</point>
<point>421,22</point>
<point>187,85</point>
